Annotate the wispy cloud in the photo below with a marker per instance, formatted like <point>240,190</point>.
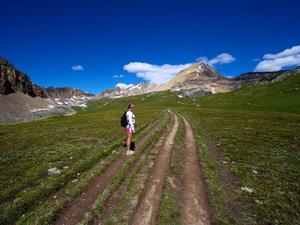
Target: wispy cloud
<point>156,74</point>
<point>275,62</point>
<point>77,68</point>
<point>223,58</point>
<point>118,76</point>
<point>124,86</point>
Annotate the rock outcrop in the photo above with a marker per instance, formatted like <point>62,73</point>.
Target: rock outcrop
<point>12,80</point>
<point>254,77</point>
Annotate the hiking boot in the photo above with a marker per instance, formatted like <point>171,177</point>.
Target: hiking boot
<point>130,152</point>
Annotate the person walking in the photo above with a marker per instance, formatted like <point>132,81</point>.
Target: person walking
<point>130,128</point>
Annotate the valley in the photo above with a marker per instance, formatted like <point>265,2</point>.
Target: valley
<point>247,153</point>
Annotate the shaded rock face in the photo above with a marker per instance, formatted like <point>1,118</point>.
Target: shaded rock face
<point>65,92</point>
<point>39,91</point>
<point>199,76</point>
<point>12,80</point>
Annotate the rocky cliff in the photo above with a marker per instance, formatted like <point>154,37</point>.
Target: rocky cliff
<point>13,81</point>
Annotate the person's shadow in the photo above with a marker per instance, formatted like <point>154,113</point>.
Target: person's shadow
<point>132,145</point>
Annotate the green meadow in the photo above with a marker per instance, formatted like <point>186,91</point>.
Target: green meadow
<point>256,131</point>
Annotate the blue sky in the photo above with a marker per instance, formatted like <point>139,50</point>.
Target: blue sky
<point>45,39</point>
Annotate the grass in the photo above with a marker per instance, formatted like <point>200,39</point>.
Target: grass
<point>262,150</point>
<point>28,150</point>
<point>256,129</point>
<point>169,210</point>
<point>134,184</point>
<point>121,175</point>
<point>218,196</point>
<point>49,209</point>
<point>273,97</point>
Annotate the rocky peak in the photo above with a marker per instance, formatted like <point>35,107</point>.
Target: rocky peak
<point>200,76</point>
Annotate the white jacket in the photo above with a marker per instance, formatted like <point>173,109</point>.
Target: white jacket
<point>130,119</point>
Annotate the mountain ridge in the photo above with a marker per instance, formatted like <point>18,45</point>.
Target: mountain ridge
<point>12,81</point>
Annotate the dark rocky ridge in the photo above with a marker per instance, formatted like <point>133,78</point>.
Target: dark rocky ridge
<point>13,81</point>
<point>65,92</point>
<point>254,76</point>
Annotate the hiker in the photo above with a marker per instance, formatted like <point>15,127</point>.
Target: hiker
<point>129,128</point>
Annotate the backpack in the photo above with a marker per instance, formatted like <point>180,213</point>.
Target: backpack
<point>124,121</point>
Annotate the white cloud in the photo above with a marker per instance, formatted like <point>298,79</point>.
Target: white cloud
<point>275,62</point>
<point>124,86</point>
<point>202,59</point>
<point>118,76</point>
<point>156,74</point>
<point>223,58</point>
<point>287,52</point>
<point>77,68</point>
<point>159,74</point>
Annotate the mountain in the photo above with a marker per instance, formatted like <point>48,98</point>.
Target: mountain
<point>66,92</point>
<point>13,81</point>
<point>138,89</point>
<point>254,77</point>
<point>198,77</point>
<point>21,100</point>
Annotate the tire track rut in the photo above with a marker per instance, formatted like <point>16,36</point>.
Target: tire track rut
<point>195,206</point>
<point>76,209</point>
<point>148,206</point>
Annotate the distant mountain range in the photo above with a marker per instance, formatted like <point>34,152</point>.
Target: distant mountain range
<point>198,80</point>
<point>20,99</point>
<point>138,89</point>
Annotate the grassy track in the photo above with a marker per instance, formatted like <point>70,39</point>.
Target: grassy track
<point>133,186</point>
<point>74,143</point>
<point>262,149</point>
<point>169,211</point>
<point>256,130</point>
<point>48,210</point>
<point>120,177</point>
